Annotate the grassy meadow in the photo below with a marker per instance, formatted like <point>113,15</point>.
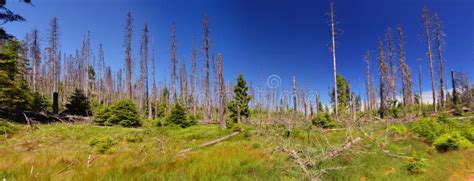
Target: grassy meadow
<point>88,152</point>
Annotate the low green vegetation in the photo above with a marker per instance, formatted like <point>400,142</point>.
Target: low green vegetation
<point>89,152</point>
<point>123,113</point>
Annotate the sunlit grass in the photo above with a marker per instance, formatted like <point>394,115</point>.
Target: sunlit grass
<point>60,151</point>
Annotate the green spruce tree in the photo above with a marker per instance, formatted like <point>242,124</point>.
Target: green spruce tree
<point>14,92</point>
<point>78,104</point>
<point>239,107</point>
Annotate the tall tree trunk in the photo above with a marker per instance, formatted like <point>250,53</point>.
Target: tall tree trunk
<point>295,101</point>
<point>440,45</point>
<point>383,78</point>
<point>333,50</point>
<point>194,79</point>
<point>174,62</point>
<point>128,54</point>
<point>222,98</point>
<point>206,46</point>
<point>405,70</point>
<point>427,24</point>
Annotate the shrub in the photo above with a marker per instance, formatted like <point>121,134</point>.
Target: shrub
<point>7,128</point>
<point>451,141</point>
<point>102,145</point>
<point>398,129</point>
<point>39,103</point>
<point>324,120</point>
<point>428,128</point>
<point>78,104</point>
<point>134,137</point>
<point>123,113</point>
<point>178,117</point>
<point>416,165</point>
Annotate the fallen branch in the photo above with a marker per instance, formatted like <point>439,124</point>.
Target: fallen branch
<point>337,152</point>
<point>301,163</point>
<point>210,143</point>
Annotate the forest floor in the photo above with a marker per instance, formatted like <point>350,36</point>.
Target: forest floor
<point>86,152</point>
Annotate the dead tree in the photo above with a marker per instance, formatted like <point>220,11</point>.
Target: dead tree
<point>383,69</point>
<point>144,70</point>
<point>85,56</point>
<point>391,74</point>
<point>222,97</point>
<point>370,88</point>
<point>53,53</point>
<point>419,83</point>
<point>405,70</point>
<point>174,61</point>
<point>427,24</point>
<point>100,73</point>
<point>333,51</point>
<point>455,93</point>
<point>35,53</point>
<point>154,89</point>
<point>128,54</point>
<point>439,39</point>
<point>206,47</point>
<point>295,101</point>
<point>194,79</point>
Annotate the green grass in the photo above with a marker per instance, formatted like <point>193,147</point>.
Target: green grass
<point>61,151</point>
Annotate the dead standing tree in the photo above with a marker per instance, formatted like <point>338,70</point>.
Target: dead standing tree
<point>174,61</point>
<point>206,47</point>
<point>427,25</point>
<point>128,54</point>
<point>383,69</point>
<point>194,79</point>
<point>35,51</point>
<point>439,40</point>
<point>222,97</point>
<point>405,70</point>
<point>333,51</point>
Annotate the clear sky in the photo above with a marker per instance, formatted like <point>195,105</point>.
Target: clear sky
<point>260,38</point>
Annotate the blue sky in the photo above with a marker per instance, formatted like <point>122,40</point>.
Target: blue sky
<point>260,38</point>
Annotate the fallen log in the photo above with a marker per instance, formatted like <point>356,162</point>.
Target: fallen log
<point>210,143</point>
<point>337,152</point>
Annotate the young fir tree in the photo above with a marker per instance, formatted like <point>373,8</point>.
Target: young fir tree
<point>343,94</point>
<point>239,106</point>
<point>14,91</point>
<point>78,104</point>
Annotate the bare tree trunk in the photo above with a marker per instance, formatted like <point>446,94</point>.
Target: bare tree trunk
<point>295,101</point>
<point>36,58</point>
<point>440,45</point>
<point>419,84</point>
<point>194,79</point>
<point>333,50</point>
<point>427,24</point>
<point>391,76</point>
<point>154,94</point>
<point>222,98</point>
<point>206,46</point>
<point>455,94</point>
<point>368,82</point>
<point>144,70</point>
<point>128,55</point>
<point>383,73</point>
<point>405,70</point>
<point>174,61</point>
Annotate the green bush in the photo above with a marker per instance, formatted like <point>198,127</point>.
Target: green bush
<point>103,144</point>
<point>39,103</point>
<point>7,129</point>
<point>398,129</point>
<point>416,165</point>
<point>78,104</point>
<point>123,113</point>
<point>428,128</point>
<point>451,141</point>
<point>178,117</point>
<point>324,120</point>
<point>134,137</point>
